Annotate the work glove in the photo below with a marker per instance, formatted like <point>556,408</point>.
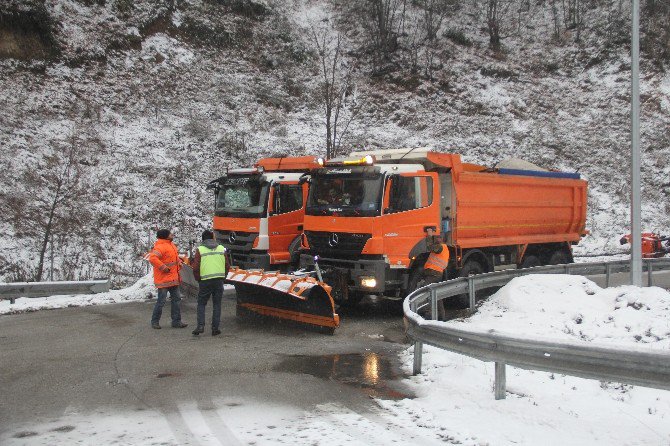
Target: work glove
<point>165,268</point>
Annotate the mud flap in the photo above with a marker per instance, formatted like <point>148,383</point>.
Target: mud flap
<point>298,298</point>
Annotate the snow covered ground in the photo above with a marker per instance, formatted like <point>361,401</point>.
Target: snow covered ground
<point>143,289</point>
<point>454,400</point>
<point>455,393</point>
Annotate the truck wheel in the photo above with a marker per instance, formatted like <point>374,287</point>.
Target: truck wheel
<point>414,281</point>
<point>394,306</point>
<point>353,299</point>
<point>470,268</point>
<point>530,262</point>
<point>559,258</point>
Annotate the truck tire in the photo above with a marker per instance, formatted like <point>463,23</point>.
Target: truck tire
<point>353,299</point>
<point>413,282</point>
<point>530,261</point>
<point>559,258</point>
<point>470,268</point>
<point>394,306</point>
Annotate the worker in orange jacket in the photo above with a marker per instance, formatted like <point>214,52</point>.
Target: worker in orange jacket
<point>437,262</point>
<point>166,262</point>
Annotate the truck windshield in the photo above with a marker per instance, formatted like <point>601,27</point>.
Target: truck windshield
<point>242,196</point>
<point>346,195</point>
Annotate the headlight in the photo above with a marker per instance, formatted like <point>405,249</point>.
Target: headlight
<point>368,282</point>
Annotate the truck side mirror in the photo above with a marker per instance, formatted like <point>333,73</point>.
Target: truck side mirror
<point>272,200</point>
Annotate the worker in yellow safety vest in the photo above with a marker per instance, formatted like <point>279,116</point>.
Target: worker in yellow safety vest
<point>210,267</point>
<point>437,262</point>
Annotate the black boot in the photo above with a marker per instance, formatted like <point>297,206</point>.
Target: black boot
<point>216,332</point>
<point>199,329</point>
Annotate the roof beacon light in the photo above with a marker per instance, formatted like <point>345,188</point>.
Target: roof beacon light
<point>321,161</point>
<point>367,160</point>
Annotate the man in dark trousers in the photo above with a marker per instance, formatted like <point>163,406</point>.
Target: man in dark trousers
<point>165,259</point>
<point>210,267</point>
<point>437,262</point>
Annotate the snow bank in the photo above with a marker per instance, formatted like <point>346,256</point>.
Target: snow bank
<point>455,393</point>
<point>141,290</point>
<point>573,308</point>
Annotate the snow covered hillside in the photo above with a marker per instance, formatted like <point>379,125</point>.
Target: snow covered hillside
<point>118,112</point>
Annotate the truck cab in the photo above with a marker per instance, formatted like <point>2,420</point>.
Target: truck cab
<point>259,212</point>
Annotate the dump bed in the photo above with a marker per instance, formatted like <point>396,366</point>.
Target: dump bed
<point>517,207</point>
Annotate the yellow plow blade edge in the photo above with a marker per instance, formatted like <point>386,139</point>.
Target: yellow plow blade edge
<point>285,296</point>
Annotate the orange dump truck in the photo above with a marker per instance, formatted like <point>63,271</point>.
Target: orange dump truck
<point>366,217</point>
<point>259,212</point>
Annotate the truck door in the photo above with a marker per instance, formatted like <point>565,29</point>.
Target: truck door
<point>286,219</point>
<point>413,204</point>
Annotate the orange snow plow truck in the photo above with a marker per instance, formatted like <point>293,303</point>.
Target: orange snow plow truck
<point>366,217</point>
<point>258,217</point>
<point>259,212</point>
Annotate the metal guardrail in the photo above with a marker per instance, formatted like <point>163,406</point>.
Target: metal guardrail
<point>646,368</point>
<point>43,289</point>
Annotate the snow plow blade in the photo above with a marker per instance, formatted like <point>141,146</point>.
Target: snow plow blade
<point>298,298</point>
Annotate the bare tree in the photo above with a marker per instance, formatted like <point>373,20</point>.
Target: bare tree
<point>434,13</point>
<point>572,15</point>
<point>384,21</point>
<point>493,22</point>
<point>337,89</point>
<point>557,24</point>
<point>55,185</point>
<point>496,12</point>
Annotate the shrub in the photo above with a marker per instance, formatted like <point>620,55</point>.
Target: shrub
<point>457,36</point>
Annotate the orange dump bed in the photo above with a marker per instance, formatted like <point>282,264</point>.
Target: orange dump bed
<point>493,209</point>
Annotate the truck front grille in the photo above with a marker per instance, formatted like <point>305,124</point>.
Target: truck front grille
<point>237,240</point>
<point>334,243</point>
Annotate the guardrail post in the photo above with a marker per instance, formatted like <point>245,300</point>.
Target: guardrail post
<point>649,271</point>
<point>433,304</point>
<point>418,352</point>
<point>608,271</point>
<point>471,293</point>
<point>500,383</point>
<point>12,300</point>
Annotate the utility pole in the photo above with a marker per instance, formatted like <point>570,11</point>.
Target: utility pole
<point>635,206</point>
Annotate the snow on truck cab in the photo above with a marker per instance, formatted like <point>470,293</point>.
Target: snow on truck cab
<point>258,213</point>
<point>366,217</point>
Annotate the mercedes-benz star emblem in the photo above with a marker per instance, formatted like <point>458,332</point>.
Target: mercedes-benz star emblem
<point>231,237</point>
<point>333,239</point>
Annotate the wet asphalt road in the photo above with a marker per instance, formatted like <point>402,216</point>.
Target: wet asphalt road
<point>107,358</point>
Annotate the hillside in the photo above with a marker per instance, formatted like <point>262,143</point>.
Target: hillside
<point>120,111</point>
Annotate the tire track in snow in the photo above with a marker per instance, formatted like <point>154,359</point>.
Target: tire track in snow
<point>370,429</point>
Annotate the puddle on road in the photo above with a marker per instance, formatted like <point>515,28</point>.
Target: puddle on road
<point>369,372</point>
